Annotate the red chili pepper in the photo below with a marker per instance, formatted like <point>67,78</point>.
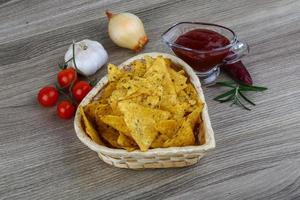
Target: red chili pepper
<point>238,72</point>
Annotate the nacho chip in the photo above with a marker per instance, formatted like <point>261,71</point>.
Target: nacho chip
<point>190,96</point>
<point>141,121</point>
<point>139,68</point>
<point>115,97</point>
<point>152,101</point>
<point>90,109</point>
<point>159,71</point>
<point>116,122</point>
<point>159,141</point>
<point>115,73</point>
<point>183,137</point>
<point>89,129</point>
<point>126,142</point>
<point>106,92</point>
<point>194,116</point>
<point>167,127</point>
<point>160,67</point>
<point>178,110</point>
<point>191,92</point>
<point>182,72</point>
<point>145,100</point>
<point>111,136</point>
<point>102,109</point>
<point>139,85</point>
<point>178,79</point>
<point>131,85</point>
<point>168,61</point>
<point>149,61</point>
<point>152,85</point>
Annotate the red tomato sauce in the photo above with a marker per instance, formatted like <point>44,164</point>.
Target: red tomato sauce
<point>207,43</point>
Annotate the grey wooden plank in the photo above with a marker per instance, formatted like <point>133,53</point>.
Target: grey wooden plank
<point>257,154</point>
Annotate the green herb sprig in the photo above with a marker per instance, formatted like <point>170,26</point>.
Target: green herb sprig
<point>236,94</point>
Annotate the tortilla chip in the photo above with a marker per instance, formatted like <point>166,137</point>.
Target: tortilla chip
<point>190,96</point>
<point>168,62</point>
<point>191,92</point>
<point>159,141</point>
<point>160,66</point>
<point>178,79</point>
<point>115,73</point>
<point>131,85</point>
<point>141,121</point>
<point>116,122</point>
<point>139,68</point>
<point>111,136</point>
<point>152,85</point>
<point>102,109</point>
<point>89,129</point>
<point>178,110</point>
<point>149,61</point>
<point>159,73</point>
<point>115,97</point>
<point>140,85</point>
<point>107,91</point>
<point>90,109</point>
<point>167,127</point>
<point>151,101</point>
<point>194,116</point>
<point>126,142</point>
<point>182,72</point>
<point>183,137</point>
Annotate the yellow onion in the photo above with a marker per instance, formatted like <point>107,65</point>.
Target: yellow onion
<point>126,30</point>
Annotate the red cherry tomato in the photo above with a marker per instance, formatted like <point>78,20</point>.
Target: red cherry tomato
<point>65,110</point>
<point>47,96</point>
<point>66,77</point>
<point>80,90</point>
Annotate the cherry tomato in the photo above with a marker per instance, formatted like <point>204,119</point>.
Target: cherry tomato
<point>47,96</point>
<point>80,90</point>
<point>66,77</point>
<point>65,109</point>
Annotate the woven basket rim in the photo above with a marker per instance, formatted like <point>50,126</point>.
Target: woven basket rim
<point>209,134</point>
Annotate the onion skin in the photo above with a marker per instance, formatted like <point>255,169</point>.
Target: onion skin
<point>142,42</point>
<point>109,14</point>
<point>127,30</point>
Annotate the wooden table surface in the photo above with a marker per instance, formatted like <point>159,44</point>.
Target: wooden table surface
<point>257,154</point>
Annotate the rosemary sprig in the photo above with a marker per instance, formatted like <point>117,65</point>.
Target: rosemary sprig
<point>236,94</point>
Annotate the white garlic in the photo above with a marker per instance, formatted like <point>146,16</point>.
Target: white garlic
<point>89,56</point>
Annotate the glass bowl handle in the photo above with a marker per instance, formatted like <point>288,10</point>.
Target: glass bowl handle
<point>237,51</point>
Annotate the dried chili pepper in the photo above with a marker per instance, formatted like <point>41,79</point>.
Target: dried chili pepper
<point>238,72</point>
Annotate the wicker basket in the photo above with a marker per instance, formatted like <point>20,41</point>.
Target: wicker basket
<point>153,158</point>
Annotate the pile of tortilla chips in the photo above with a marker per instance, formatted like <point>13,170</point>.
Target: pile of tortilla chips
<point>152,105</point>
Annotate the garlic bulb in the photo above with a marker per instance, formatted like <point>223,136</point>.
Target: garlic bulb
<point>126,30</point>
<point>89,56</point>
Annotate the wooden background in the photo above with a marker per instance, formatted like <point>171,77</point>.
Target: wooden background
<point>257,154</point>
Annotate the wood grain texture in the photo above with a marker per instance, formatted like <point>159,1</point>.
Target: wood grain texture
<point>257,154</point>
